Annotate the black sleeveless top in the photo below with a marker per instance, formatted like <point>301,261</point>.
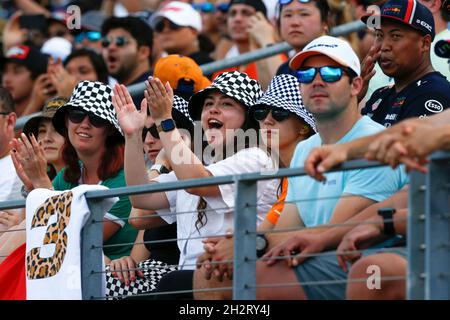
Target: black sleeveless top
<point>167,252</point>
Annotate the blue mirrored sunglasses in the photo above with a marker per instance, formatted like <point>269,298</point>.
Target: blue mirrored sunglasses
<point>93,36</point>
<point>328,74</point>
<point>284,2</point>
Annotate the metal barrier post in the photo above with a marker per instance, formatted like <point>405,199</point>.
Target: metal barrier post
<point>437,235</point>
<point>416,237</point>
<point>91,255</point>
<point>244,266</point>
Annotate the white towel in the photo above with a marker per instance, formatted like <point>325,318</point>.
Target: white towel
<point>54,221</point>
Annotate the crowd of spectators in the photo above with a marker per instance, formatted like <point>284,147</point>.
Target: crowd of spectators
<point>380,93</point>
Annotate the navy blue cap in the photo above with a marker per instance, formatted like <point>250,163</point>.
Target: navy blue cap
<point>409,12</point>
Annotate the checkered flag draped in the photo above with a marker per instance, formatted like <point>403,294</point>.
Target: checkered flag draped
<point>284,92</point>
<point>153,272</point>
<point>96,98</point>
<point>182,106</point>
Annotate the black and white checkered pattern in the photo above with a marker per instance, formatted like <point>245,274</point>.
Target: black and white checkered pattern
<point>181,106</point>
<point>153,272</point>
<point>235,84</point>
<point>284,92</point>
<point>92,97</point>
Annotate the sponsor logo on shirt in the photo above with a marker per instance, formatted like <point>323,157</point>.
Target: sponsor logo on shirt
<point>376,104</point>
<point>398,102</point>
<point>392,117</point>
<point>434,106</point>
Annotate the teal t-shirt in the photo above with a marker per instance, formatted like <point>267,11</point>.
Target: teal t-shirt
<point>316,200</point>
<point>121,210</point>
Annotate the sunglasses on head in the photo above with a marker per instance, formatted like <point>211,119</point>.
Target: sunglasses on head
<point>327,73</point>
<point>92,36</point>
<point>77,116</point>
<point>153,131</point>
<point>260,113</point>
<point>284,2</point>
<point>160,26</point>
<point>120,41</point>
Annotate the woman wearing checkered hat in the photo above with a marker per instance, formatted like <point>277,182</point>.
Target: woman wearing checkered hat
<point>222,109</point>
<point>93,154</point>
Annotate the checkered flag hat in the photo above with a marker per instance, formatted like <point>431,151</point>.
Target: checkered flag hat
<point>181,106</point>
<point>284,92</point>
<point>235,84</point>
<point>92,97</point>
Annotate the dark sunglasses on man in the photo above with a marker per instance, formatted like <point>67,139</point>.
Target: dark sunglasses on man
<point>327,73</point>
<point>160,26</point>
<point>119,41</point>
<point>78,115</point>
<point>260,113</point>
<point>208,7</point>
<point>153,131</point>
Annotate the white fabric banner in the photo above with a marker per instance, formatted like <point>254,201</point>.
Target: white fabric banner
<point>54,220</point>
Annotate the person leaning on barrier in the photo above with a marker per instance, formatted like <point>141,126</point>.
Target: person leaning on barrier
<point>408,142</point>
<point>329,73</point>
<point>283,122</point>
<point>207,211</point>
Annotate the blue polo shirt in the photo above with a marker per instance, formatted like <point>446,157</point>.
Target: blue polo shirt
<point>316,200</point>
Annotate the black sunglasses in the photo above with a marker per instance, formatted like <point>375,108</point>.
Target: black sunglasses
<point>4,113</point>
<point>153,131</point>
<point>77,116</point>
<point>159,27</point>
<point>260,113</point>
<point>120,41</point>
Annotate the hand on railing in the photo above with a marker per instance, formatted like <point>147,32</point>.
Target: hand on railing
<point>130,119</point>
<point>30,163</point>
<point>122,269</point>
<point>159,98</point>
<point>410,144</point>
<point>360,237</point>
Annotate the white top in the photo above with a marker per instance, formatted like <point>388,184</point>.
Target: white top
<point>10,183</point>
<point>218,209</point>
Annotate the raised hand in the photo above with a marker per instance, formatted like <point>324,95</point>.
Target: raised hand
<point>130,119</point>
<point>159,98</point>
<point>30,163</point>
<point>368,68</point>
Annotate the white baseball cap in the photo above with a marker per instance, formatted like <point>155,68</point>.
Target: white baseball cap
<point>180,13</point>
<point>57,47</point>
<point>337,49</point>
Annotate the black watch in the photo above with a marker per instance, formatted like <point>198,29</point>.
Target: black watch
<point>387,214</point>
<point>166,125</point>
<point>261,245</point>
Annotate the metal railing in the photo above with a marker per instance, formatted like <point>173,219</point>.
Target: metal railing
<point>428,233</point>
<point>242,59</point>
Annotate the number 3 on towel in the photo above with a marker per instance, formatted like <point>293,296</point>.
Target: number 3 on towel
<point>37,267</point>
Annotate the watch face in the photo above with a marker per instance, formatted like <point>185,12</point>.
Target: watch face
<point>261,243</point>
<point>168,125</point>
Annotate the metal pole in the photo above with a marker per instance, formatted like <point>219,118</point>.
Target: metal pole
<point>437,234</point>
<point>416,237</point>
<point>91,254</point>
<point>244,266</point>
